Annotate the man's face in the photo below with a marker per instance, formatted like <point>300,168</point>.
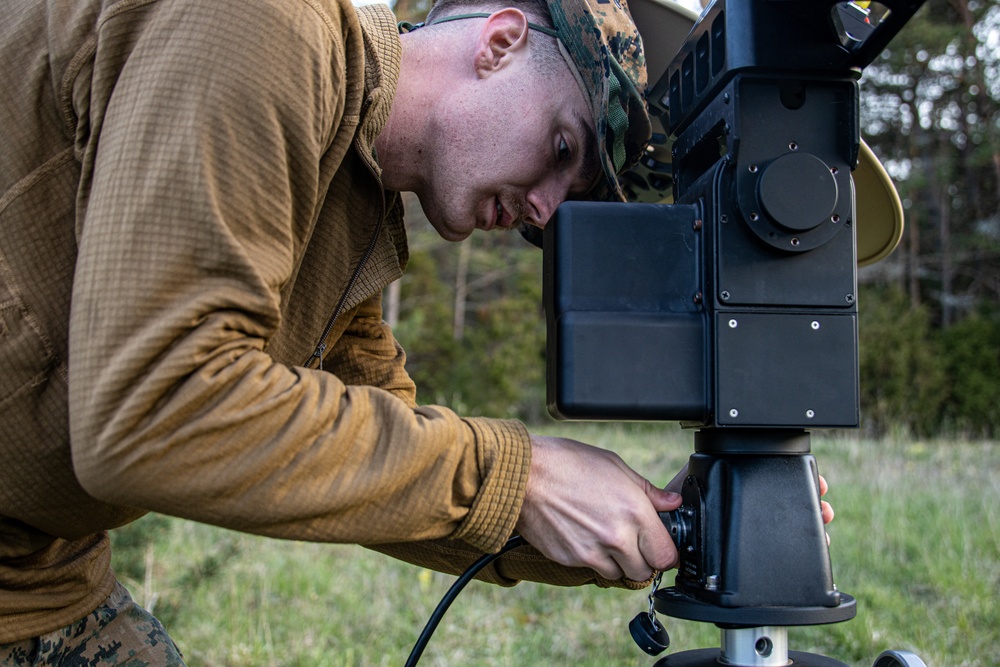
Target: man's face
<point>511,147</point>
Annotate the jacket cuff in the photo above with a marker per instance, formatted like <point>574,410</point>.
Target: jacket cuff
<point>503,451</point>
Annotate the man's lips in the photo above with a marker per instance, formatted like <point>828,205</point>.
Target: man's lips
<point>501,215</point>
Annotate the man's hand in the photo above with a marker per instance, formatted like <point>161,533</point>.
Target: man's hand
<point>584,507</point>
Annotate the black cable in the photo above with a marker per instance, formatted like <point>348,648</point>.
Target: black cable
<point>452,593</point>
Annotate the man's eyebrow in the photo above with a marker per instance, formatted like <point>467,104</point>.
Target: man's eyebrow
<point>590,166</point>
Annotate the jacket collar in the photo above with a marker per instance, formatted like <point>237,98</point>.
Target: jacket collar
<point>383,53</point>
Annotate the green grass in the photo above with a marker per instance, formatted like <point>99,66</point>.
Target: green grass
<point>916,541</point>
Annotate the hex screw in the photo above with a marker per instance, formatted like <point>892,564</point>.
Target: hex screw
<point>815,325</point>
<point>734,413</point>
<point>793,146</point>
<point>733,324</point>
<point>810,414</point>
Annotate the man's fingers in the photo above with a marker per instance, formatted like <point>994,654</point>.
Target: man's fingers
<point>823,486</point>
<point>658,550</point>
<point>662,500</point>
<point>827,511</point>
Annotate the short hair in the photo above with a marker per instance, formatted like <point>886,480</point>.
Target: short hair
<point>544,52</point>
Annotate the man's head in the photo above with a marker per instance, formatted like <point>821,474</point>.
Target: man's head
<point>599,42</point>
<point>528,103</point>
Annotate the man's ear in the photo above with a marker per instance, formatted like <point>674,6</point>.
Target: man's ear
<point>503,37</point>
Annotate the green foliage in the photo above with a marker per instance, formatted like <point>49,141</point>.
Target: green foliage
<point>130,543</point>
<point>919,380</point>
<point>902,376</point>
<point>972,351</point>
<point>496,367</point>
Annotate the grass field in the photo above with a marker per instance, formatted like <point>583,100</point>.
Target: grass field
<point>916,541</point>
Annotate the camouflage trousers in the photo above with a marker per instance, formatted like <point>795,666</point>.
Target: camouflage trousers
<point>119,632</point>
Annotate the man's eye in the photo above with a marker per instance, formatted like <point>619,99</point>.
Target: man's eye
<point>564,152</point>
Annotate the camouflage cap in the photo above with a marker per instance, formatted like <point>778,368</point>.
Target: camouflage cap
<point>600,42</point>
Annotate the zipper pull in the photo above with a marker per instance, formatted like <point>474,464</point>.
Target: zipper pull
<point>318,354</point>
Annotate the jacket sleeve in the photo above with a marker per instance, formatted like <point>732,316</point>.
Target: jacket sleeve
<point>208,144</point>
<point>367,353</point>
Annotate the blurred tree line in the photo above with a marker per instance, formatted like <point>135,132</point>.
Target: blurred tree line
<point>930,322</point>
<point>470,314</point>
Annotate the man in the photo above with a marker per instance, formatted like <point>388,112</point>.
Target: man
<point>199,210</point>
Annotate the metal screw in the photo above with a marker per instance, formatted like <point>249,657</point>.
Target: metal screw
<point>733,324</point>
<point>724,295</point>
<point>795,242</point>
<point>723,218</point>
<point>698,297</point>
<point>697,225</point>
<point>793,146</point>
<point>734,413</point>
<point>849,298</point>
<point>810,414</point>
<point>712,582</point>
<point>725,98</point>
<point>815,325</point>
<point>835,218</point>
<point>834,171</point>
<point>754,217</point>
<point>753,169</point>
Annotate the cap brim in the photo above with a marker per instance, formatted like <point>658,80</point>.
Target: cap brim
<point>664,25</point>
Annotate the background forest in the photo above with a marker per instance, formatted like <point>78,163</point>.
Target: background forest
<point>471,319</point>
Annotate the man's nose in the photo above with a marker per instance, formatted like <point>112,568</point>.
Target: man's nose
<point>543,200</point>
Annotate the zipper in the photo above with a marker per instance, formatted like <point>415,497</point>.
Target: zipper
<point>321,346</point>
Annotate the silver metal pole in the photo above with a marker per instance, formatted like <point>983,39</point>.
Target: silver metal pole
<point>755,647</point>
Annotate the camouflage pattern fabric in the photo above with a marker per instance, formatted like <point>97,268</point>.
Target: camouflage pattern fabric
<point>600,40</point>
<point>119,632</point>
